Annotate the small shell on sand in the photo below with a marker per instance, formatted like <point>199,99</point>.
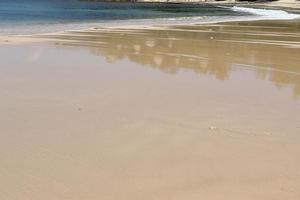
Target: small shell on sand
<point>267,133</point>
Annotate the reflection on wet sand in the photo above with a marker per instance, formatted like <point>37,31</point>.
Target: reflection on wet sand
<point>271,49</point>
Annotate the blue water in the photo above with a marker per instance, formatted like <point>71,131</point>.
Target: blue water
<point>30,16</point>
<point>27,16</point>
<point>72,10</point>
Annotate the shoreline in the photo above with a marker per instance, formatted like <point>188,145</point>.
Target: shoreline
<point>17,38</point>
<point>152,112</point>
<point>43,37</point>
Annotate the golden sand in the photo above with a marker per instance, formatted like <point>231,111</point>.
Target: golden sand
<point>189,112</point>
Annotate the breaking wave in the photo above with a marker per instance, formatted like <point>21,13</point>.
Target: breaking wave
<point>266,13</point>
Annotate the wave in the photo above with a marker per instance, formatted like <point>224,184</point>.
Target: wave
<point>267,13</point>
<point>257,14</point>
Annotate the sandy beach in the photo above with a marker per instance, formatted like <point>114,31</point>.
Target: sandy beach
<point>181,112</point>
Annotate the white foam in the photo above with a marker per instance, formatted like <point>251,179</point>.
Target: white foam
<point>267,13</point>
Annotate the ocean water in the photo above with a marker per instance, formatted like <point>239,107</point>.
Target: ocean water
<point>38,16</point>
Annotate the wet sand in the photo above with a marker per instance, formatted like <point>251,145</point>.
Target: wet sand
<point>185,112</point>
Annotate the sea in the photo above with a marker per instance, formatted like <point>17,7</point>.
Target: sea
<point>26,17</point>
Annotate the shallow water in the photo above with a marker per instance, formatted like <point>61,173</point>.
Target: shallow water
<point>19,17</point>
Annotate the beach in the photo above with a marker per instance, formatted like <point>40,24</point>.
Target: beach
<point>165,112</point>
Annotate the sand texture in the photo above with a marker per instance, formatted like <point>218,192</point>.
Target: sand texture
<point>184,113</point>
